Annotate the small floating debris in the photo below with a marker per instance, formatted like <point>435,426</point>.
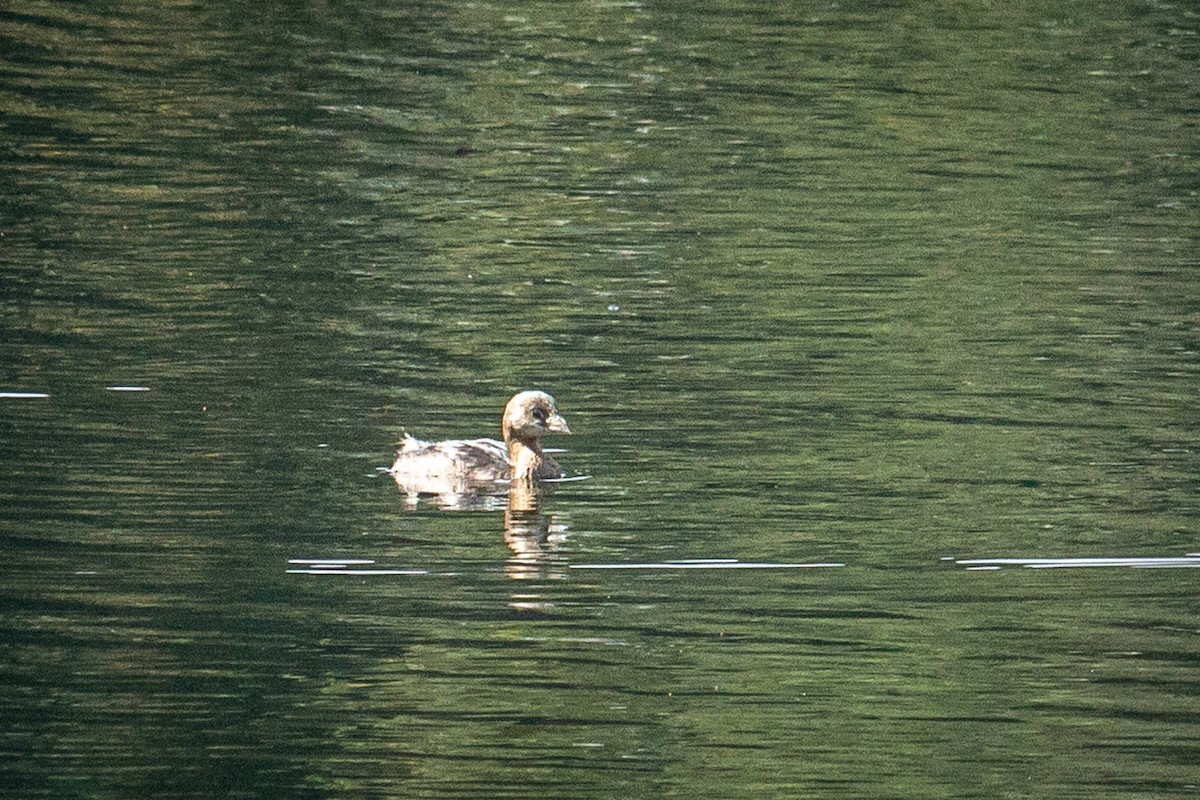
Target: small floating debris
<point>23,395</point>
<point>712,563</point>
<point>1152,562</point>
<point>126,388</point>
<point>344,566</point>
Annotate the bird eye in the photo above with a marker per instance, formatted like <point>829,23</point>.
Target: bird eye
<point>539,414</point>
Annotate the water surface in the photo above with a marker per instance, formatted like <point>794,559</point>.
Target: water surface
<point>842,302</point>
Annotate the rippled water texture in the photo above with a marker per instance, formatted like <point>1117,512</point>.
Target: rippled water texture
<point>877,327</point>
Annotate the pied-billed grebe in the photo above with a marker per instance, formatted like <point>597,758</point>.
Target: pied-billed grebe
<point>460,466</point>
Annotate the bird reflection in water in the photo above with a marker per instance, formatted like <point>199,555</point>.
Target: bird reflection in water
<point>533,534</point>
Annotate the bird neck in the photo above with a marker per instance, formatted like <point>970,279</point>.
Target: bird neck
<point>525,455</point>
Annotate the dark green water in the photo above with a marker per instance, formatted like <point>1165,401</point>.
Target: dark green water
<point>878,285</point>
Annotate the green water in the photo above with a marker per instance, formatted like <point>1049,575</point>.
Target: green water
<point>878,285</point>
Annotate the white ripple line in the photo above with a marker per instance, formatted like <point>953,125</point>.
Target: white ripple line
<point>708,564</point>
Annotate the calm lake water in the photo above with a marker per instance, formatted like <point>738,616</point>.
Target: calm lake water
<point>853,308</point>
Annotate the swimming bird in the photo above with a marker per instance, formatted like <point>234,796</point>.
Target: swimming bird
<point>458,466</point>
